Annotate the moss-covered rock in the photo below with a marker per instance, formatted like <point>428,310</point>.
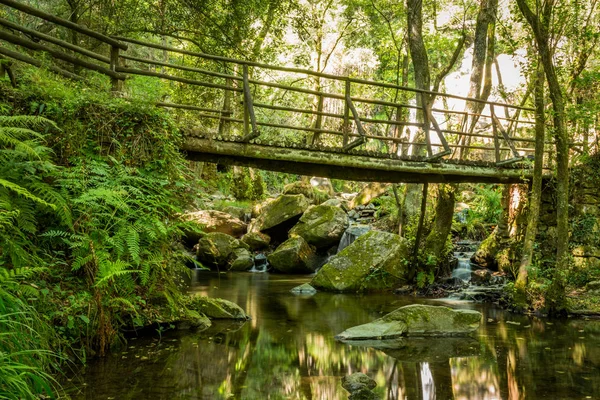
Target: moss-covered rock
<point>487,251</point>
<point>416,320</point>
<point>256,240</point>
<point>294,256</point>
<point>217,308</point>
<point>321,226</point>
<point>220,251</point>
<point>284,209</point>
<point>376,260</point>
<point>314,195</point>
<point>192,319</point>
<point>241,260</point>
<point>217,221</point>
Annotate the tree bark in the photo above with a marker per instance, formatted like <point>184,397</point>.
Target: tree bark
<point>435,244</point>
<point>540,24</point>
<point>536,188</point>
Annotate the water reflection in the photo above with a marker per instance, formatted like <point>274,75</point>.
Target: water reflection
<point>287,351</point>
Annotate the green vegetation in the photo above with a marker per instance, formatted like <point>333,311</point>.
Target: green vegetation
<point>88,224</point>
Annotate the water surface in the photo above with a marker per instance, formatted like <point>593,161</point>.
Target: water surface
<point>287,351</point>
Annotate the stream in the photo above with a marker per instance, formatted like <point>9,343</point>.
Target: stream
<point>287,351</point>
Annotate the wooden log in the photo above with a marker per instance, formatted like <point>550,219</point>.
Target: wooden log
<point>134,71</point>
<point>63,22</point>
<point>58,54</point>
<point>53,40</point>
<point>32,61</point>
<point>181,67</point>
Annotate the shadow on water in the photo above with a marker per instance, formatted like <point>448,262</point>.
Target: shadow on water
<point>287,351</point>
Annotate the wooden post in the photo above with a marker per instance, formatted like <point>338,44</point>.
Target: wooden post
<point>117,84</point>
<point>495,132</point>
<point>224,124</point>
<point>346,126</point>
<point>249,117</point>
<point>425,114</point>
<point>319,120</point>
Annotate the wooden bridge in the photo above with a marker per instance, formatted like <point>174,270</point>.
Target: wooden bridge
<point>290,119</point>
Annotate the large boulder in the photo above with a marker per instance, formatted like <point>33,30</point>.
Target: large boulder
<point>281,214</point>
<point>416,320</point>
<point>217,221</point>
<point>294,256</point>
<point>256,240</point>
<point>321,226</point>
<point>215,308</point>
<point>314,195</point>
<point>217,250</point>
<point>376,260</point>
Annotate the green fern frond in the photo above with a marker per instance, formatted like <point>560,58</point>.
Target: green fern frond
<point>32,121</point>
<point>24,192</point>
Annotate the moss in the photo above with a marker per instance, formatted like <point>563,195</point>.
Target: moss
<point>217,308</point>
<point>376,260</point>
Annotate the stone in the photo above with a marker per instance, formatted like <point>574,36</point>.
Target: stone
<point>282,213</point>
<point>485,256</point>
<point>217,221</point>
<point>217,250</point>
<point>314,195</point>
<point>217,308</point>
<point>304,289</point>
<point>321,226</point>
<point>336,203</point>
<point>322,184</point>
<point>294,256</point>
<point>236,212</point>
<point>376,260</point>
<point>256,240</point>
<point>241,260</point>
<point>193,319</point>
<point>416,320</point>
<point>481,276</point>
<point>351,234</point>
<point>363,394</point>
<point>357,381</point>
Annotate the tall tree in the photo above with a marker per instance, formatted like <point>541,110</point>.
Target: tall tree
<point>540,23</point>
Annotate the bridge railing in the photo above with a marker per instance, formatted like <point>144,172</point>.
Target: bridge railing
<point>231,99</point>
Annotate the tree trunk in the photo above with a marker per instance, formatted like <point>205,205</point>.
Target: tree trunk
<point>536,188</point>
<point>435,244</point>
<point>540,24</point>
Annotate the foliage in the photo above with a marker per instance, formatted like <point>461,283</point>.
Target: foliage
<point>98,212</point>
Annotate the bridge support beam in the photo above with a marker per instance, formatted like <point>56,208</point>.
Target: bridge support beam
<point>346,166</point>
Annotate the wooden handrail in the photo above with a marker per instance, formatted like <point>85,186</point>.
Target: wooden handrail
<point>58,54</point>
<point>63,22</point>
<point>312,73</point>
<point>53,40</point>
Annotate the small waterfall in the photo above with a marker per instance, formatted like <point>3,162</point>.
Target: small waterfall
<point>260,263</point>
<point>463,269</point>
<point>351,234</point>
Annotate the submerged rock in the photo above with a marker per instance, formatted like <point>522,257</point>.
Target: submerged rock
<point>218,250</point>
<point>218,308</point>
<point>416,320</point>
<point>281,214</point>
<point>294,256</point>
<point>423,349</point>
<point>376,260</point>
<point>304,289</point>
<point>321,226</point>
<point>358,381</point>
